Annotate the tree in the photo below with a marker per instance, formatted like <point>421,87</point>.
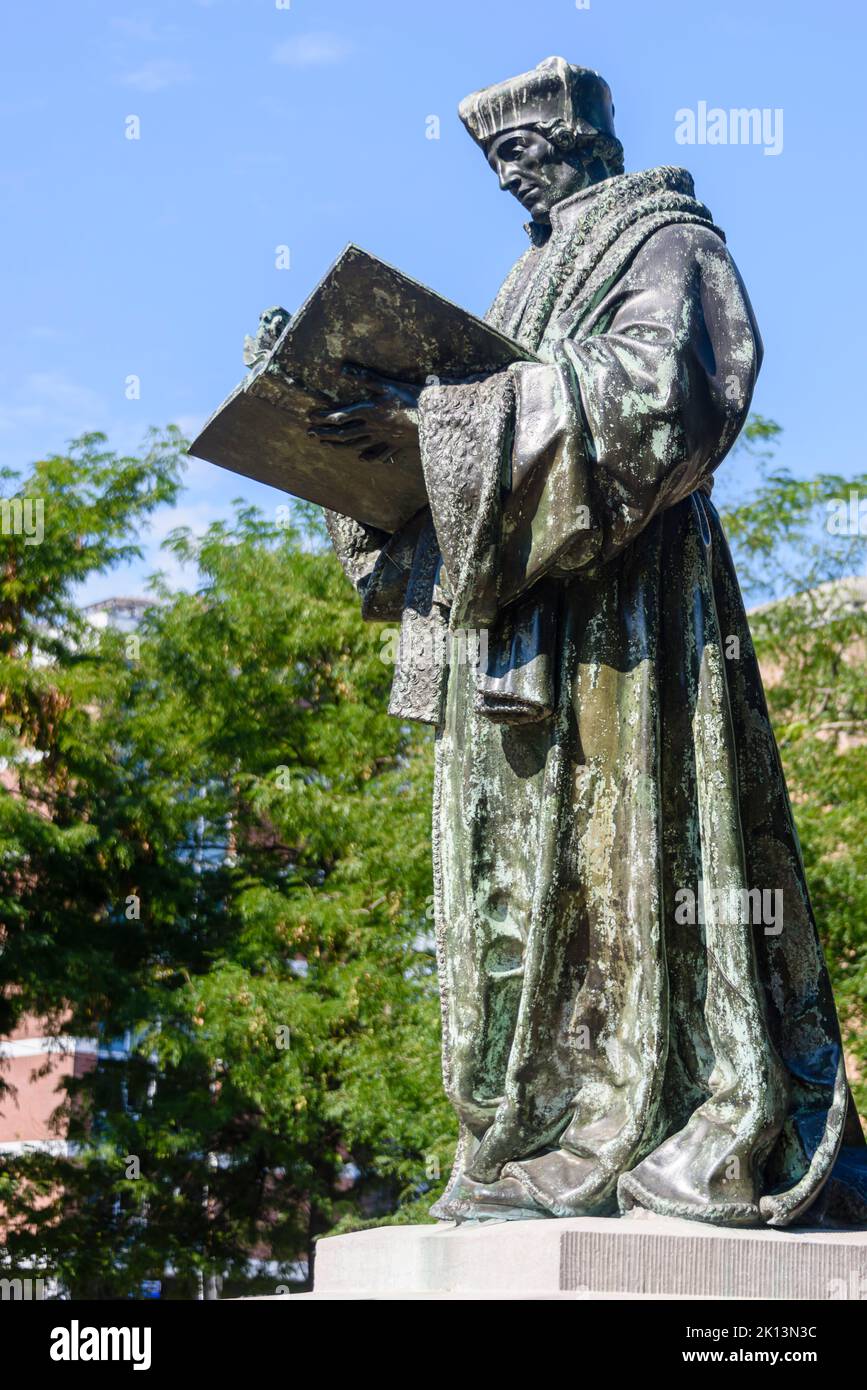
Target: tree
<point>796,543</point>
<point>89,505</point>
<point>222,857</point>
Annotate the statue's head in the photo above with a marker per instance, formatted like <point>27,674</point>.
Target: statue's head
<point>546,134</point>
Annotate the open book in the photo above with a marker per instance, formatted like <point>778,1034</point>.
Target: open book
<point>366,313</point>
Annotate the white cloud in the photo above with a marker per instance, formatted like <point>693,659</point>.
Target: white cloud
<point>189,425</point>
<point>311,50</point>
<point>45,333</point>
<point>43,411</point>
<point>135,28</point>
<point>156,75</point>
<point>51,398</point>
<point>197,516</point>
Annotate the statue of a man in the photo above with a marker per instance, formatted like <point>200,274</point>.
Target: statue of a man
<point>636,1010</point>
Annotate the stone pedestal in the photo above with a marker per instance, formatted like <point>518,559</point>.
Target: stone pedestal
<point>638,1256</point>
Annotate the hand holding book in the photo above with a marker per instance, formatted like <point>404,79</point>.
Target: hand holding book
<point>374,427</point>
<point>328,410</point>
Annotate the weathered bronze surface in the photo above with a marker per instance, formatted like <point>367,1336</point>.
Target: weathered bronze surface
<point>609,759</point>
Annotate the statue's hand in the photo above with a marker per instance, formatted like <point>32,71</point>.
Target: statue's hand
<point>397,396</point>
<point>376,426</point>
<point>350,425</point>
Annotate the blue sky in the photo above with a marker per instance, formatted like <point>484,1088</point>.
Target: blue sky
<point>305,125</point>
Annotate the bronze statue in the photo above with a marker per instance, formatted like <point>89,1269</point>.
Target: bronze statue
<point>636,1010</point>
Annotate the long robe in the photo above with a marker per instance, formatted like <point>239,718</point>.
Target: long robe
<point>635,1003</point>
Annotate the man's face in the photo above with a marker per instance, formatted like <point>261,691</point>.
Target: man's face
<point>530,167</point>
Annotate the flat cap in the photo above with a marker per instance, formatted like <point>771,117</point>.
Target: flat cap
<point>555,91</point>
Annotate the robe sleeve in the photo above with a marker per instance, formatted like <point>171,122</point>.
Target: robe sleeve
<point>378,564</point>
<point>638,407</point>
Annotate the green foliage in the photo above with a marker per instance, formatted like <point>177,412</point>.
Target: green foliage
<point>220,855</point>
<point>812,645</point>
